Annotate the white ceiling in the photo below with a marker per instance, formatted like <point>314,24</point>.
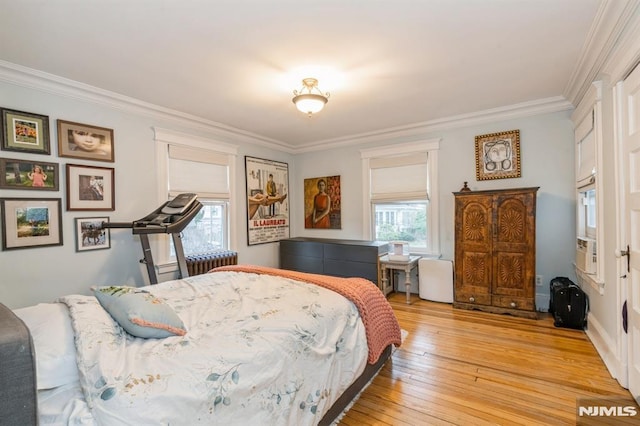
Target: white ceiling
<point>387,64</point>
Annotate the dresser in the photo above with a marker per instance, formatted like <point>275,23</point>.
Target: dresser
<point>495,247</point>
<point>336,257</point>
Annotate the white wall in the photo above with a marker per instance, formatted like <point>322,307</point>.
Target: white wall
<point>41,274</point>
<point>29,276</point>
<point>547,156</point>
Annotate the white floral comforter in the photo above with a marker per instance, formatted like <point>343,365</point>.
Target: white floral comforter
<point>260,350</point>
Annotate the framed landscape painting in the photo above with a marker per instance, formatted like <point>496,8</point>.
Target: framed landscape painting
<point>31,222</point>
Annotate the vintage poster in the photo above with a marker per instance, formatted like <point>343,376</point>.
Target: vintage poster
<point>322,203</point>
<point>267,202</point>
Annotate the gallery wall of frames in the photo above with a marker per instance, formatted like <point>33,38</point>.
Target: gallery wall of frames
<point>27,164</point>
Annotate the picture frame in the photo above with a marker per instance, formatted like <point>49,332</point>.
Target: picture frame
<point>498,155</point>
<point>31,222</point>
<point>25,132</point>
<point>90,235</point>
<point>77,140</point>
<point>24,174</point>
<point>267,200</point>
<point>322,203</point>
<point>90,188</point>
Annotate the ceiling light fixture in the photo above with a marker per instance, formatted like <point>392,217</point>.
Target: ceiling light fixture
<point>310,99</point>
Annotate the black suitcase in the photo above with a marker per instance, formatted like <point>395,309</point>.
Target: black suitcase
<point>556,284</point>
<point>570,307</point>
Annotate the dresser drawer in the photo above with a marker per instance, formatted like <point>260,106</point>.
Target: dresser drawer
<point>344,268</point>
<point>514,303</point>
<point>312,265</point>
<point>299,248</point>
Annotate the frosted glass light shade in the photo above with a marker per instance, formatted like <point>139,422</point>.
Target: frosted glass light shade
<point>309,103</point>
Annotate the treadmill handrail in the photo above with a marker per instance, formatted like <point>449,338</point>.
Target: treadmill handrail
<point>145,225</point>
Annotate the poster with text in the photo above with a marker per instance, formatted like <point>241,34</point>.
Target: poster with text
<point>267,202</point>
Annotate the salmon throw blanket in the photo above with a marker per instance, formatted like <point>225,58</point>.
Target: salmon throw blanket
<point>380,323</point>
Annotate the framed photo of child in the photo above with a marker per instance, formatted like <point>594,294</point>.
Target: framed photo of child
<point>25,132</point>
<point>29,174</point>
<point>76,140</point>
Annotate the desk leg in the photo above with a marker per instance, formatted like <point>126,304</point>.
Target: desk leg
<point>385,281</point>
<point>407,284</point>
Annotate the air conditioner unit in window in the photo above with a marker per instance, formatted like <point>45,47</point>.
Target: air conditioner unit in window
<point>586,255</point>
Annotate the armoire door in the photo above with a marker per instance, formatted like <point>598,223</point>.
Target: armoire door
<point>513,262</point>
<point>474,252</point>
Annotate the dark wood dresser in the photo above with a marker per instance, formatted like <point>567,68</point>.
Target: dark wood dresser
<point>340,258</point>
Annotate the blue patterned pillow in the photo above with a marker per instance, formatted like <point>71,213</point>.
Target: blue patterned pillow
<point>139,312</point>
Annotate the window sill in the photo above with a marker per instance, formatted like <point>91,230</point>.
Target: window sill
<point>166,268</point>
<point>590,279</point>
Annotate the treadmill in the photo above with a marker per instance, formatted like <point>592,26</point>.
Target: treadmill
<point>170,218</point>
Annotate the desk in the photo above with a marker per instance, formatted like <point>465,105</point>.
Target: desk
<point>402,265</point>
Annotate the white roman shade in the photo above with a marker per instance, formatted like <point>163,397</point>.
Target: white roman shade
<point>586,152</point>
<point>400,178</point>
<point>197,170</point>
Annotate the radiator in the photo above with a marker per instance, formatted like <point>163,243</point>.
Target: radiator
<point>202,263</point>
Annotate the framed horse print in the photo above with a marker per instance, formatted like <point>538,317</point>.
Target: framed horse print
<point>90,235</point>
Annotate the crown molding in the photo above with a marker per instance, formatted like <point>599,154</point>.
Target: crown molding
<point>608,25</point>
<point>626,55</point>
<point>34,79</point>
<point>418,130</point>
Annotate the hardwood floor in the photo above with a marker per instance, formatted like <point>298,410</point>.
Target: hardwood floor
<point>471,368</point>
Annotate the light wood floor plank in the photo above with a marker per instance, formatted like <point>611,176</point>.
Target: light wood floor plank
<point>459,367</point>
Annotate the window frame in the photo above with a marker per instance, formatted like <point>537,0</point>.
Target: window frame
<point>163,139</point>
<point>431,147</point>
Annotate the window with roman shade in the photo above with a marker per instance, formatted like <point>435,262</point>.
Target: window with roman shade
<point>206,168</point>
<point>399,182</point>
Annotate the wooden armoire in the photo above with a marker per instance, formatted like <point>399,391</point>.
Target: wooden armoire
<point>495,251</point>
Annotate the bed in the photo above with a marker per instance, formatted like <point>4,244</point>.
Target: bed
<point>259,346</point>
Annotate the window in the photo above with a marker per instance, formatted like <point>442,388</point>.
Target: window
<point>587,214</point>
<point>401,195</point>
<point>207,168</point>
<point>401,221</point>
<point>588,131</point>
<point>207,231</point>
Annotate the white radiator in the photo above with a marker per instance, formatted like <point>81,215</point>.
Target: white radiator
<point>436,280</point>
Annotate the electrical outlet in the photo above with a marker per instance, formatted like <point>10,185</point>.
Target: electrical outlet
<point>538,280</point>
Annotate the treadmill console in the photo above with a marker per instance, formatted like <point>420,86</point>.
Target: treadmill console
<point>179,204</point>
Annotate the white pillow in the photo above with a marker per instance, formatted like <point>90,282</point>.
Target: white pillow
<point>52,335</point>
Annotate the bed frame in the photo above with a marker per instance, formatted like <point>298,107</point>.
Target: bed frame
<point>18,399</point>
<point>18,394</point>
